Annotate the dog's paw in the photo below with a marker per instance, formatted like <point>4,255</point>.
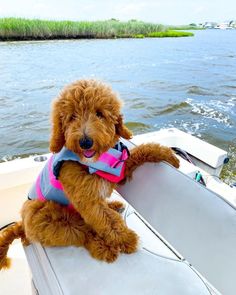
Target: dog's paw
<point>173,160</point>
<point>167,154</point>
<point>130,243</point>
<point>106,252</point>
<point>116,206</point>
<point>101,250</point>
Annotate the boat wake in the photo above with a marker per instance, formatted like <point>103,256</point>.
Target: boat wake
<point>216,110</point>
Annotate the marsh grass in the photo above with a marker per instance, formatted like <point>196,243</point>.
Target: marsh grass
<point>25,29</point>
<point>169,33</point>
<point>139,36</point>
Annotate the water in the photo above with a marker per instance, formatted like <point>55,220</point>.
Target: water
<point>187,83</point>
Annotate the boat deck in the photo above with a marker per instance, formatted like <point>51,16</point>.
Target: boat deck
<point>217,216</point>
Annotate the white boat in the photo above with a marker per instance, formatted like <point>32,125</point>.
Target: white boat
<point>186,220</point>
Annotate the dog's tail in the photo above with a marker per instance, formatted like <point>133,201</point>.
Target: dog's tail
<point>7,236</point>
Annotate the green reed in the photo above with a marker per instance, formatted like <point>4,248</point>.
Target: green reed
<point>25,29</point>
<point>170,33</point>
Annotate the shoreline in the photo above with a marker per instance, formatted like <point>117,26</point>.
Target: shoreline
<point>61,38</point>
<point>18,29</point>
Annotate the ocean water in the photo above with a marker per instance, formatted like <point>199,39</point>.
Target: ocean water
<point>187,83</point>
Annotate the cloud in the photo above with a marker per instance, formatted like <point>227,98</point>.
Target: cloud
<point>160,11</point>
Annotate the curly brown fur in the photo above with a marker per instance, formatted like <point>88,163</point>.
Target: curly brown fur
<point>86,108</point>
<point>44,219</point>
<point>7,236</point>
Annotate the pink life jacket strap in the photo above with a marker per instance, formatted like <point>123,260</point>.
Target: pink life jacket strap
<point>113,162</point>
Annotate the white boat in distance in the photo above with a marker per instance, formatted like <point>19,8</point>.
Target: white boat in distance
<point>186,220</point>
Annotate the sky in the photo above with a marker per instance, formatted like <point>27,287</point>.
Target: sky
<point>174,12</point>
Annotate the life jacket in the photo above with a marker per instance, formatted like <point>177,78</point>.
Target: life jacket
<point>110,166</point>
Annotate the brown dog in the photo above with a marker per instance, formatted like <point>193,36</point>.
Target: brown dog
<point>87,120</point>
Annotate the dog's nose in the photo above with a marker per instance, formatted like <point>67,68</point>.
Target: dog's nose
<point>86,143</point>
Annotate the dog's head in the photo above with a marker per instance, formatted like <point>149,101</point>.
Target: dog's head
<point>86,119</point>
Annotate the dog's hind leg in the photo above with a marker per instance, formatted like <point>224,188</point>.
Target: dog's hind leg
<point>52,224</point>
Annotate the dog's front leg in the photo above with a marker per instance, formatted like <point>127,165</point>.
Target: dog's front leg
<point>150,152</point>
<point>83,189</point>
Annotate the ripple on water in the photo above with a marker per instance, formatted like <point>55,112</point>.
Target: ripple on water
<point>171,108</point>
<point>138,127</point>
<point>168,109</point>
<point>45,87</point>
<point>138,105</point>
<point>229,86</point>
<point>196,90</point>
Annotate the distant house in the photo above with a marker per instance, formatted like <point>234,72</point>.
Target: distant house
<point>209,25</point>
<point>232,24</point>
<point>226,25</point>
<point>223,25</point>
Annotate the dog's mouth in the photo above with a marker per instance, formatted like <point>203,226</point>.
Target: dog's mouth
<point>89,153</point>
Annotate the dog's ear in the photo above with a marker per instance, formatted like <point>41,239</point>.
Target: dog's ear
<point>57,139</point>
<point>122,130</point>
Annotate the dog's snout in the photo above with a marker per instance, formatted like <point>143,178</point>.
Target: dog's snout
<point>86,143</point>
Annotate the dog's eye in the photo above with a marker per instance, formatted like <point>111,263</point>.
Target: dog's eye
<point>99,114</point>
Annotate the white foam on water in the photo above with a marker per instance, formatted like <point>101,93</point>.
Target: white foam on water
<point>232,102</point>
<point>193,128</point>
<point>216,110</point>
